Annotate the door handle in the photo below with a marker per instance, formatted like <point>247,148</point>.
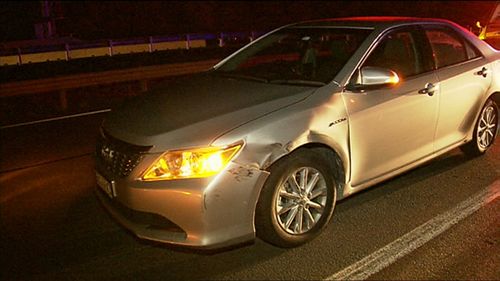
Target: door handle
<point>428,90</point>
<point>483,72</point>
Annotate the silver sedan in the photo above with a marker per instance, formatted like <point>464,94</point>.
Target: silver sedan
<point>266,142</point>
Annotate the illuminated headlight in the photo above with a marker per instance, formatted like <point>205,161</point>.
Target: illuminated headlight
<point>193,163</point>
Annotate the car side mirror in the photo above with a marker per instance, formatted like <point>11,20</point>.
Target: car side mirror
<point>377,76</point>
<point>371,77</point>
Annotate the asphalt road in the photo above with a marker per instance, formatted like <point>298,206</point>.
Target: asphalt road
<point>53,227</point>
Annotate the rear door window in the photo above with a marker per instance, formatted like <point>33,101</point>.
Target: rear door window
<point>448,47</point>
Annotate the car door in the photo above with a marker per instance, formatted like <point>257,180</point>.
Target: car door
<point>464,76</point>
<point>391,127</point>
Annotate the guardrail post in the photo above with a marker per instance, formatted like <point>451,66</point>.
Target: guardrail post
<point>19,56</point>
<point>188,42</point>
<point>221,40</point>
<point>150,44</point>
<point>63,100</point>
<point>66,47</point>
<point>110,44</point>
<point>252,36</point>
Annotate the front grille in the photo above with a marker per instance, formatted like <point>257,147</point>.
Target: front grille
<point>116,158</point>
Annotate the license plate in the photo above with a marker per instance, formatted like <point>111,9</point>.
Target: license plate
<point>107,186</point>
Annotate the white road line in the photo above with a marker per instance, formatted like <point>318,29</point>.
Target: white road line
<point>55,119</point>
<point>404,245</point>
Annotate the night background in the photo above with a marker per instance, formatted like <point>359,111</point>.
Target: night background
<point>65,65</point>
<point>92,20</point>
<point>32,27</point>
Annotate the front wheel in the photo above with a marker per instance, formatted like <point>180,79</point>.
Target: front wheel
<point>297,200</point>
<point>485,130</point>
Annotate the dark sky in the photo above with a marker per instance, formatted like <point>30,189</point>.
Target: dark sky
<point>122,19</point>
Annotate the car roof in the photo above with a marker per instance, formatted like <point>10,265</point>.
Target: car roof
<point>368,22</point>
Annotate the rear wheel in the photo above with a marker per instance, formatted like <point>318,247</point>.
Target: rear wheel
<point>485,130</point>
<point>297,200</point>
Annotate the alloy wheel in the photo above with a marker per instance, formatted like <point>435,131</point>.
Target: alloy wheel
<point>487,127</point>
<point>301,201</point>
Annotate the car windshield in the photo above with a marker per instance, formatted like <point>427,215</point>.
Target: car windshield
<point>296,55</point>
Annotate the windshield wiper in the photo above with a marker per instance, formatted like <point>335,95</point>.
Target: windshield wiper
<point>297,82</point>
<point>242,76</point>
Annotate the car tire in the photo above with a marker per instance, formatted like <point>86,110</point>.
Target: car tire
<point>485,131</point>
<point>297,199</point>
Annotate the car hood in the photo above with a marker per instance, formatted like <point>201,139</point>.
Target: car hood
<point>194,111</point>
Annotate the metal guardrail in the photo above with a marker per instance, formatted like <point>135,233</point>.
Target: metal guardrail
<point>140,74</point>
<point>150,44</point>
<point>100,78</point>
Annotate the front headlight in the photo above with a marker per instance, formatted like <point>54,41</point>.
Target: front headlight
<point>193,163</point>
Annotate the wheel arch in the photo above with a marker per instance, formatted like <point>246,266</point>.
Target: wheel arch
<point>333,154</point>
<point>267,224</point>
<point>335,159</point>
<point>472,148</point>
<point>495,96</point>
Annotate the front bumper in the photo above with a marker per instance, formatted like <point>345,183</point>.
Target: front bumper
<point>209,213</point>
